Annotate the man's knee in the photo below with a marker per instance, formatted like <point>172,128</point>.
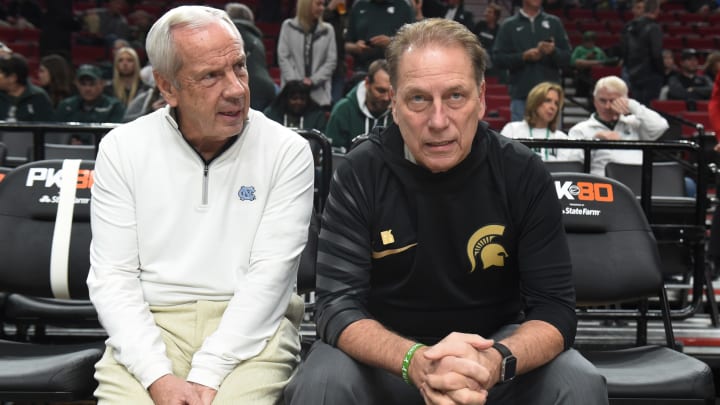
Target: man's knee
<point>577,380</point>
<point>327,376</point>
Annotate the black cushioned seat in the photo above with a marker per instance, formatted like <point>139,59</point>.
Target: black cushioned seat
<point>44,246</point>
<point>656,372</point>
<point>50,372</point>
<point>615,261</point>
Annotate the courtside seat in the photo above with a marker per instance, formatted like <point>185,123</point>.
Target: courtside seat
<point>615,262</point>
<point>44,215</point>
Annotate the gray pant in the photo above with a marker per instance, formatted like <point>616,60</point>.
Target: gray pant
<point>329,377</point>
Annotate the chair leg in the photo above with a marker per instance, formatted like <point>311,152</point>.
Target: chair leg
<point>710,295</point>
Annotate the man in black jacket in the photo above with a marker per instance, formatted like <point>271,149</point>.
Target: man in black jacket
<point>261,84</point>
<point>443,269</point>
<point>642,53</point>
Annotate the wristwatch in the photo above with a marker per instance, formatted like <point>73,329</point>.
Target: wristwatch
<point>508,363</point>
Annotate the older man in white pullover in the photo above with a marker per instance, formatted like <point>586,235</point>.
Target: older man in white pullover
<point>200,212</point>
<point>617,117</point>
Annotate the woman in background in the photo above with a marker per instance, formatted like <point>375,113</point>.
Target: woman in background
<point>126,83</point>
<point>542,112</point>
<point>55,77</point>
<point>307,51</point>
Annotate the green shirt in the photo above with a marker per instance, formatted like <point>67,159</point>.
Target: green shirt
<point>32,105</point>
<point>581,52</point>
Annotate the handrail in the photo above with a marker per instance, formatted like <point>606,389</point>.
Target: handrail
<point>40,129</point>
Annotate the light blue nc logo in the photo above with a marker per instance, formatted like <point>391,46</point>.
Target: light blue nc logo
<point>246,193</point>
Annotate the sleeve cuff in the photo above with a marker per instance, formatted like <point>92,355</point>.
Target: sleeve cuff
<point>154,370</point>
<point>205,377</point>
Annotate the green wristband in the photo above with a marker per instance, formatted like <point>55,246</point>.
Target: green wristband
<point>406,362</point>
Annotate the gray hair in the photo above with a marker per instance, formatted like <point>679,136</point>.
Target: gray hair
<point>613,84</point>
<point>435,31</point>
<point>160,44</point>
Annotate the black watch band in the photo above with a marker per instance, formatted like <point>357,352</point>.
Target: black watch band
<point>508,363</point>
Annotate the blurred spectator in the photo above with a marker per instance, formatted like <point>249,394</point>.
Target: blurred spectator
<point>701,6</point>
<point>487,29</point>
<point>140,22</point>
<point>20,100</point>
<point>371,25</point>
<point>146,101</point>
<point>642,54</point>
<point>23,14</point>
<point>90,104</point>
<point>307,51</point>
<point>687,84</point>
<point>456,11</point>
<point>335,14</point>
<point>638,9</point>
<point>670,68</point>
<point>55,77</point>
<point>617,117</point>
<point>542,113</point>
<point>583,58</point>
<point>126,81</point>
<point>365,107</point>
<point>534,47</point>
<point>261,84</point>
<point>5,50</point>
<point>294,108</point>
<point>712,65</point>
<point>109,23</point>
<point>59,23</point>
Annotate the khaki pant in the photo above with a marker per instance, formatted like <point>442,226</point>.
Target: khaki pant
<point>259,380</point>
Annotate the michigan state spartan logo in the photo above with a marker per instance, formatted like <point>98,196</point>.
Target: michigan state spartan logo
<point>483,244</point>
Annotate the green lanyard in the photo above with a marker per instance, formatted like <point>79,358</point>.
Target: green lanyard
<point>547,136</point>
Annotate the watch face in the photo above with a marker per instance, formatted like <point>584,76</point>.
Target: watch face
<point>508,369</point>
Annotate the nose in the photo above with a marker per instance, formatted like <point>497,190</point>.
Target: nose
<point>438,116</point>
<point>236,87</point>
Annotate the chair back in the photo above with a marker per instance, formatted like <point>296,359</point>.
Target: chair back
<point>19,146</point>
<point>3,153</point>
<point>322,153</point>
<point>45,223</point>
<point>668,178</point>
<point>557,166</point>
<point>613,250</point>
<point>63,151</point>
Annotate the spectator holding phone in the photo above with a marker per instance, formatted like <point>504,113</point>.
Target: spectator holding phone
<point>533,46</point>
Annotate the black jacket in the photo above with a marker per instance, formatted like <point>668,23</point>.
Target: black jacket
<point>468,250</point>
<point>642,49</point>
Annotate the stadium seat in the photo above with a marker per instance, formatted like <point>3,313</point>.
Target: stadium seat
<point>599,71</point>
<point>19,147</point>
<point>615,261</point>
<point>496,101</point>
<point>322,151</point>
<point>698,117</point>
<point>673,107</point>
<point>44,245</point>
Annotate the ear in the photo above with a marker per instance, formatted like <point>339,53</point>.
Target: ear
<point>393,103</point>
<point>168,91</point>
<point>482,104</point>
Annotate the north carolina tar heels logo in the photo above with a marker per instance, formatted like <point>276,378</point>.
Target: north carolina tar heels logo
<point>246,193</point>
<point>483,243</point>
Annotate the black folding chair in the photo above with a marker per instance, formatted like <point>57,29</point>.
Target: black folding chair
<point>616,262</point>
